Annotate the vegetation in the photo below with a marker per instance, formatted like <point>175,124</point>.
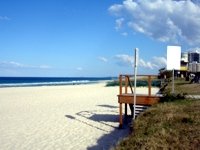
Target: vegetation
<point>155,83</point>
<point>172,124</point>
<point>113,83</point>
<point>183,87</point>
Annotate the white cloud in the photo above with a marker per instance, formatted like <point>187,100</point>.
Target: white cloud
<point>4,18</point>
<point>45,67</point>
<point>124,34</point>
<point>103,59</point>
<point>116,9</point>
<point>124,60</point>
<point>160,61</point>
<point>79,68</point>
<point>12,64</point>
<point>164,20</point>
<point>155,63</point>
<point>194,49</point>
<point>119,23</point>
<point>147,64</point>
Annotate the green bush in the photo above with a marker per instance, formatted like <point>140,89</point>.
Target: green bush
<point>170,97</point>
<point>140,83</point>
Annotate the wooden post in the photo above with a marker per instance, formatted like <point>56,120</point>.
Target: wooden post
<point>120,115</point>
<point>120,84</point>
<point>126,84</point>
<point>149,85</point>
<point>126,91</point>
<point>120,104</point>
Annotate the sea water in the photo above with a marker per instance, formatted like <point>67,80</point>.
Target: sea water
<point>48,81</point>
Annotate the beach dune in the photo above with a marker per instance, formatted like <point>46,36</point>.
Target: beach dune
<point>59,117</point>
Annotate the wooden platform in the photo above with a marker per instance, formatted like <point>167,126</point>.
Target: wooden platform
<point>141,99</point>
<point>126,97</point>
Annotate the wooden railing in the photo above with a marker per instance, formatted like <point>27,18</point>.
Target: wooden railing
<point>125,81</point>
<point>126,94</point>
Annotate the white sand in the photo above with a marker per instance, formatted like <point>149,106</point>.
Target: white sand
<point>75,117</point>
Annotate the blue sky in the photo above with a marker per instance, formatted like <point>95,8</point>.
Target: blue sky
<point>65,38</point>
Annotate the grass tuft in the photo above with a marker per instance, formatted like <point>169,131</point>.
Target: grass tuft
<point>171,125</point>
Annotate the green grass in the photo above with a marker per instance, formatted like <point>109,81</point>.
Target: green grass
<point>182,86</point>
<point>172,124</point>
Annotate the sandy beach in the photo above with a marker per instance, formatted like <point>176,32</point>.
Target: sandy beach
<point>73,117</point>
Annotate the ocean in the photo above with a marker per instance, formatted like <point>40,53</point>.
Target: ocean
<point>48,81</point>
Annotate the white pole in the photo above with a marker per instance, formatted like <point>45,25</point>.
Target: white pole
<point>135,78</point>
<point>173,81</point>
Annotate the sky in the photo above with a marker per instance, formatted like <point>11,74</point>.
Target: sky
<point>93,38</point>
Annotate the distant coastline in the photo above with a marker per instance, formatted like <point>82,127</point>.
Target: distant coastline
<point>49,81</point>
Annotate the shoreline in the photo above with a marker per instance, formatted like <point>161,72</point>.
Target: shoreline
<point>52,84</point>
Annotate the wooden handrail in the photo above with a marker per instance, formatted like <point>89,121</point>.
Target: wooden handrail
<point>125,79</point>
<point>149,85</point>
<point>127,83</point>
<point>130,84</point>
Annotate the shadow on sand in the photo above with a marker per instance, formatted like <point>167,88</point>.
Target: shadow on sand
<point>108,106</point>
<point>102,120</point>
<point>108,141</point>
